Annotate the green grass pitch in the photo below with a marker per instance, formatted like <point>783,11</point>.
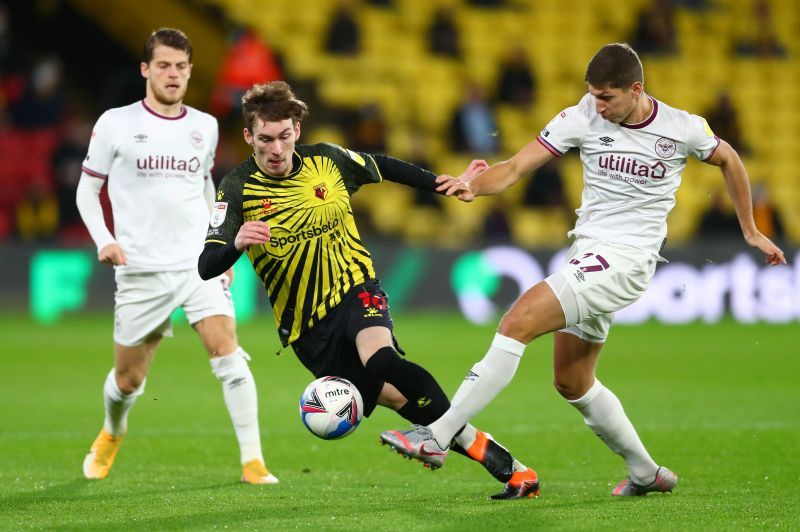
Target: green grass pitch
<point>717,404</point>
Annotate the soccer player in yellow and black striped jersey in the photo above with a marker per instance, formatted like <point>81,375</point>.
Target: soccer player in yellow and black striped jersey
<point>288,207</point>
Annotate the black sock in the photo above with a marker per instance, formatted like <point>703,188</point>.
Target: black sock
<point>426,400</point>
<point>497,460</point>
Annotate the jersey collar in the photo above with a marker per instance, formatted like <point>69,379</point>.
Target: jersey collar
<point>158,115</point>
<point>646,122</point>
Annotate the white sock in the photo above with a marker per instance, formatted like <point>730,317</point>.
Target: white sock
<point>481,385</point>
<point>604,414</point>
<point>467,437</point>
<point>239,391</point>
<point>118,404</point>
<point>519,466</point>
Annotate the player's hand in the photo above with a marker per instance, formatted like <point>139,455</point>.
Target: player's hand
<point>255,232</point>
<point>112,254</point>
<point>475,167</point>
<point>773,254</point>
<point>459,186</point>
<point>229,275</point>
<point>454,186</point>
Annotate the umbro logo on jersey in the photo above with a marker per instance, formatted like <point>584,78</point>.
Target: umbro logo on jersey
<point>140,138</point>
<point>606,141</point>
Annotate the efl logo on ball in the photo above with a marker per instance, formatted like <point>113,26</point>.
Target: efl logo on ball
<point>331,407</point>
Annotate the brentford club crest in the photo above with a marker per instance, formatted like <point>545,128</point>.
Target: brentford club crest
<point>196,138</point>
<point>321,191</point>
<point>665,147</point>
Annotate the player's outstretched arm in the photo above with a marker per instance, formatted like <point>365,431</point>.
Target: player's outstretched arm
<point>405,173</point>
<point>738,184</point>
<point>497,177</point>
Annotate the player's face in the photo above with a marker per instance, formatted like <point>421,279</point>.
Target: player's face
<point>167,74</point>
<point>273,144</point>
<point>614,104</point>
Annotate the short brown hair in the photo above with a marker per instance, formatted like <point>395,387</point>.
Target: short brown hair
<point>615,65</point>
<point>272,102</point>
<point>167,37</point>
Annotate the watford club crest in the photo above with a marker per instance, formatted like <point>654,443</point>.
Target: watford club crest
<point>321,191</point>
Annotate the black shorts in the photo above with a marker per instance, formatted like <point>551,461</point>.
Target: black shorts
<point>329,348</point>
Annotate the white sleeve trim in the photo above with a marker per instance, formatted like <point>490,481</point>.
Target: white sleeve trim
<point>87,198</point>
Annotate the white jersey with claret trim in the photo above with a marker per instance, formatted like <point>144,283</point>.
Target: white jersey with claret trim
<point>156,168</point>
<point>631,172</point>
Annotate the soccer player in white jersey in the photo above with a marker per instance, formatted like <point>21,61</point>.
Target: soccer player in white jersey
<point>633,148</point>
<point>156,155</point>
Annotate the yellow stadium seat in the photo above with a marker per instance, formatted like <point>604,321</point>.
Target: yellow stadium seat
<point>537,228</point>
<point>418,92</point>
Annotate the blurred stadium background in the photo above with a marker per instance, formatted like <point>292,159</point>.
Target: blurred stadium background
<point>391,76</point>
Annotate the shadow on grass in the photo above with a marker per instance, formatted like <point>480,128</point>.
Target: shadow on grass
<point>81,489</point>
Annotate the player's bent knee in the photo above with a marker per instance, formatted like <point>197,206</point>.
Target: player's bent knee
<point>564,389</point>
<point>570,389</point>
<point>222,348</point>
<point>218,334</point>
<point>129,382</point>
<point>514,325</point>
<point>383,361</point>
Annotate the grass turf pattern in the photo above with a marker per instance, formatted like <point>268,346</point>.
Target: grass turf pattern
<point>717,404</point>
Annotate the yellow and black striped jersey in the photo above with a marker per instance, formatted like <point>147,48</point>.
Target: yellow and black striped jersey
<point>314,255</point>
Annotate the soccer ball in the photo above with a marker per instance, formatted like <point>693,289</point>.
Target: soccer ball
<point>331,407</point>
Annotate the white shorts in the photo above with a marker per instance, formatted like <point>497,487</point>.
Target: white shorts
<point>145,301</point>
<point>598,279</point>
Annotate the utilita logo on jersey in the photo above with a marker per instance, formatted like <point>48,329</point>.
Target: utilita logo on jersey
<point>630,170</point>
<point>167,166</point>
